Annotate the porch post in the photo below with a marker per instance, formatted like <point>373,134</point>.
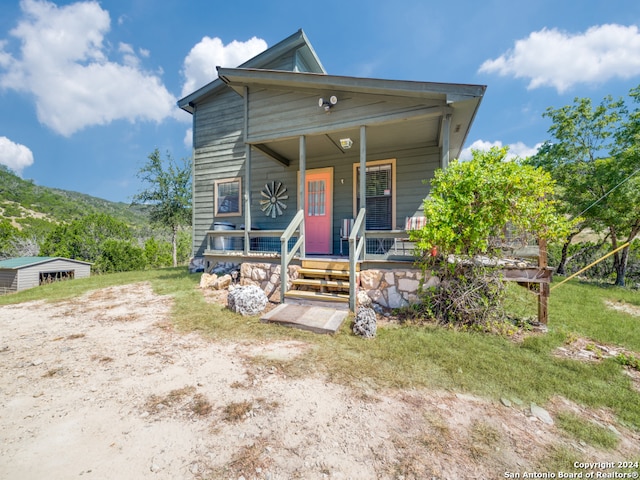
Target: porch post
<point>247,198</point>
<point>247,176</point>
<point>303,183</point>
<point>446,130</point>
<point>363,167</point>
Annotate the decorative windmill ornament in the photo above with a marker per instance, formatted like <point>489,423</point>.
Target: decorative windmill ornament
<point>274,194</point>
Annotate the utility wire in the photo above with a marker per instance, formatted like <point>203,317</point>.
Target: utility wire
<point>603,196</point>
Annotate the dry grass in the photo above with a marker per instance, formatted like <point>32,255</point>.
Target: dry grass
<point>156,403</point>
<point>200,405</point>
<point>236,411</point>
<point>248,460</point>
<point>483,439</point>
<point>101,359</point>
<point>75,336</point>
<point>437,434</point>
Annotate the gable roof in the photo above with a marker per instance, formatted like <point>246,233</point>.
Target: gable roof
<point>22,262</point>
<point>298,41</point>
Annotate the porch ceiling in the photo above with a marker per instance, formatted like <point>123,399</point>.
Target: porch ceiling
<point>388,137</point>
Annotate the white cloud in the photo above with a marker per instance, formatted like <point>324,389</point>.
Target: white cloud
<point>15,156</point>
<point>200,64</point>
<point>188,138</point>
<point>558,59</point>
<point>64,64</point>
<point>517,149</point>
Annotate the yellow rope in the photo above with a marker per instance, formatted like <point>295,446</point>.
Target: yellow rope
<point>589,266</point>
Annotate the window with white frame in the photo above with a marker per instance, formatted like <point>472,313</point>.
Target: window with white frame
<point>227,195</point>
<point>380,194</point>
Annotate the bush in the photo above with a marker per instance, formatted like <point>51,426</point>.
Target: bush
<point>120,256</point>
<point>157,253</point>
<point>467,294</point>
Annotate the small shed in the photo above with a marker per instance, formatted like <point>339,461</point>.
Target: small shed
<point>25,272</point>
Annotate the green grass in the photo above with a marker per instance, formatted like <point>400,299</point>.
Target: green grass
<point>427,356</point>
<point>583,430</point>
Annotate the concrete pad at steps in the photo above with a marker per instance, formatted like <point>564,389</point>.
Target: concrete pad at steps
<point>307,317</point>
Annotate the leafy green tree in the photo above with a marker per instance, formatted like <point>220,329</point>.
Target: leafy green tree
<point>83,239</point>
<point>594,158</point>
<point>120,256</point>
<point>167,195</point>
<point>8,234</point>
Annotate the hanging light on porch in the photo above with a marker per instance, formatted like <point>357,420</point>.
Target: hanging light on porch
<point>346,143</point>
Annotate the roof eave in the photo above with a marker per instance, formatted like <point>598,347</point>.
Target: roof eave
<point>241,76</point>
<point>298,39</point>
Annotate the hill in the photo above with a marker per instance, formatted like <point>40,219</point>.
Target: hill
<point>28,205</point>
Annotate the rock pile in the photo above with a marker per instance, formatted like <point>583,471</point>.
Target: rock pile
<point>248,300</point>
<point>365,324</point>
<point>215,282</point>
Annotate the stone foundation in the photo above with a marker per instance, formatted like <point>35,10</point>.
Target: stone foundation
<point>386,288</point>
<point>267,277</point>
<point>394,288</point>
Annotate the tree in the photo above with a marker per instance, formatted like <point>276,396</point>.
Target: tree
<point>594,158</point>
<point>168,194</point>
<point>469,204</point>
<point>83,239</point>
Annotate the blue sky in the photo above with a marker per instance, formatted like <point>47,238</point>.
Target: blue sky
<point>88,89</point>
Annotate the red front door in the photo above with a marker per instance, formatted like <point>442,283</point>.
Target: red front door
<point>318,194</point>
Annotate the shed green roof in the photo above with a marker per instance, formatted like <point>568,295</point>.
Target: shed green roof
<point>21,262</point>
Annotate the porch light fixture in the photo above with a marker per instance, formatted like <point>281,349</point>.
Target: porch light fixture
<point>346,143</point>
<point>327,104</point>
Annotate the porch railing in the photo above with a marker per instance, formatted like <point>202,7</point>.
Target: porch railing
<point>256,242</point>
<point>297,224</point>
<point>357,244</point>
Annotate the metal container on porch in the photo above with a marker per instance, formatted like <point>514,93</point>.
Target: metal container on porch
<point>223,243</point>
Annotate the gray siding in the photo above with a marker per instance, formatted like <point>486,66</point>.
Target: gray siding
<point>285,62</point>
<point>412,167</point>
<point>29,276</point>
<point>298,111</point>
<point>219,152</point>
<point>8,280</point>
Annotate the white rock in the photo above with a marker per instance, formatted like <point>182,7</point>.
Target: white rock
<point>541,414</point>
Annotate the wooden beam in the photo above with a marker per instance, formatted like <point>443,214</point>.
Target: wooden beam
<point>528,275</point>
<point>445,144</point>
<point>543,297</point>
<point>271,154</point>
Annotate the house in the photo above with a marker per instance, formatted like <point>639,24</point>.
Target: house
<point>18,274</point>
<point>279,151</point>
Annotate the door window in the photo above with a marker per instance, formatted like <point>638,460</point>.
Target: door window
<point>316,191</point>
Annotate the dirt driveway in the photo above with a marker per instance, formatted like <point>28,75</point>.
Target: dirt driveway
<point>102,387</point>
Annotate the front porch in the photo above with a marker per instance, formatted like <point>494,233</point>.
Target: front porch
<point>331,280</point>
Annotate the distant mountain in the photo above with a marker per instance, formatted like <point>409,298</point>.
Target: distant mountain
<point>23,203</point>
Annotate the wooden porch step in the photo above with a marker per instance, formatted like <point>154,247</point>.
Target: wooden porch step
<point>319,282</point>
<point>324,273</point>
<point>317,296</point>
<point>333,265</point>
